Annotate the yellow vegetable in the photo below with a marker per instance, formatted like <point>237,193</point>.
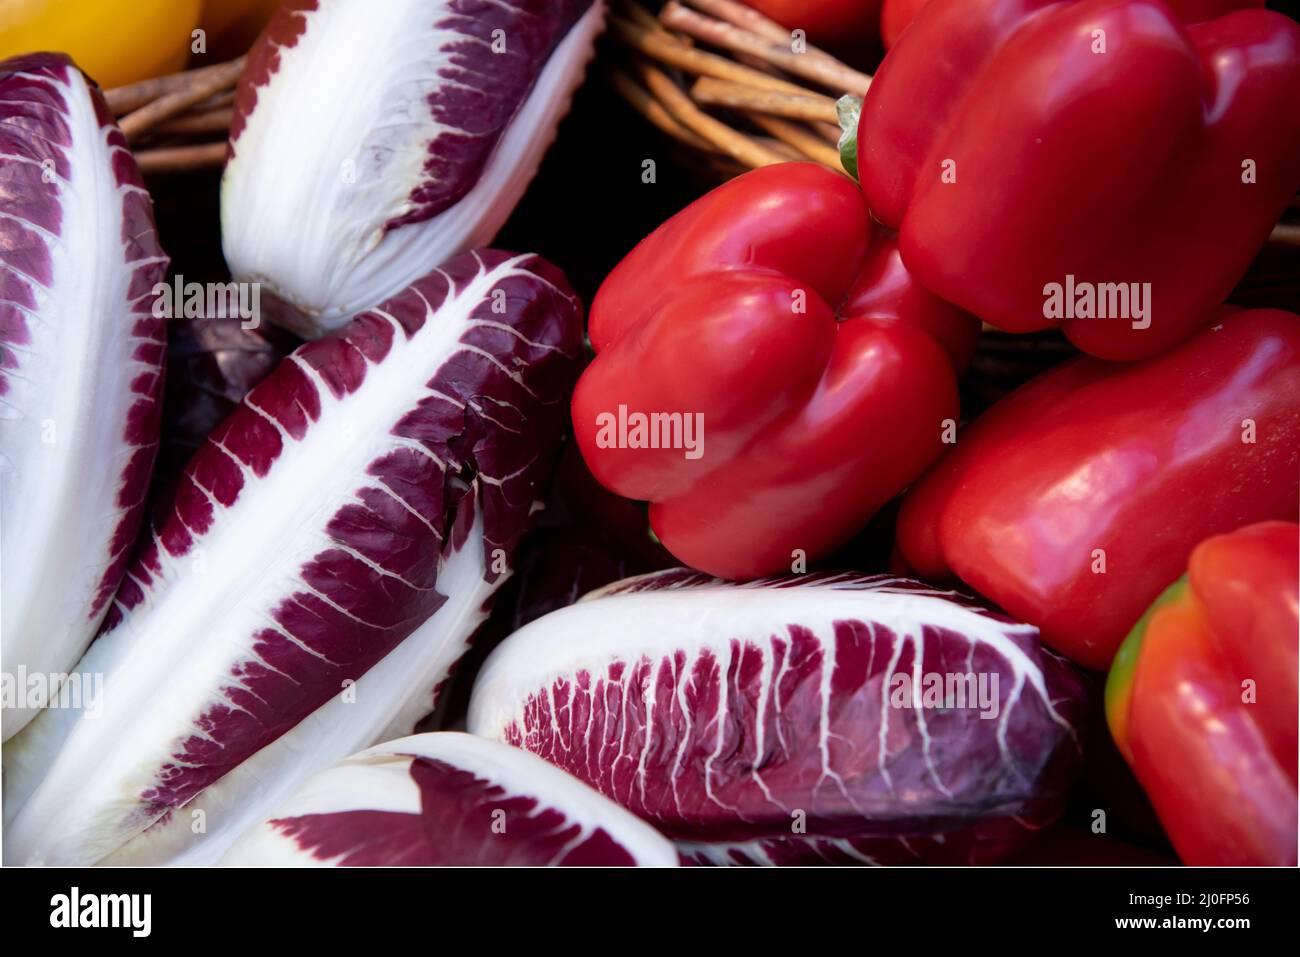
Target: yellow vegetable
<point>114,41</point>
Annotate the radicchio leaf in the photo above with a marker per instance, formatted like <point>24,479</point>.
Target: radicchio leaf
<point>81,367</point>
<point>586,538</point>
<point>368,147</point>
<point>447,799</point>
<point>769,722</point>
<point>327,555</point>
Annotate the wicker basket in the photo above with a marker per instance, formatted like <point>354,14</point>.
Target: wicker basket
<point>179,122</point>
<point>748,101</point>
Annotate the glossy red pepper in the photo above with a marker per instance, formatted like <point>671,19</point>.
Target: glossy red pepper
<point>1076,499</point>
<point>773,311</point>
<point>1202,700</point>
<point>895,15</point>
<point>1105,166</point>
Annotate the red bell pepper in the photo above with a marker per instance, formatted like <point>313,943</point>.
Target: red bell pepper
<point>1076,499</point>
<point>895,15</point>
<point>774,314</point>
<point>1105,166</point>
<point>1202,700</point>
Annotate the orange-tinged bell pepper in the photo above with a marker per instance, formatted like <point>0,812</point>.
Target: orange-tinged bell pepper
<point>1201,700</point>
<point>114,41</point>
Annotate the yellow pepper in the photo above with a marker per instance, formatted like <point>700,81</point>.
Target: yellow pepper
<point>114,41</point>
